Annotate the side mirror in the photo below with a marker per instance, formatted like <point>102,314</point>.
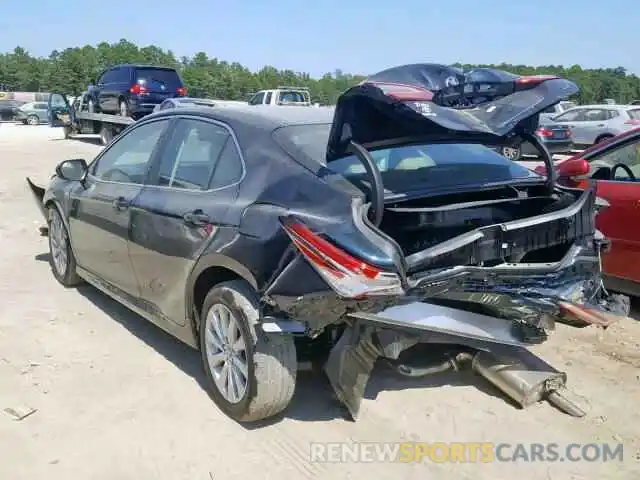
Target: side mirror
<point>73,170</point>
<point>575,168</point>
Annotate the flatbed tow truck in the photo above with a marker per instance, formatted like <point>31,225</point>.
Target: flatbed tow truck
<point>75,119</point>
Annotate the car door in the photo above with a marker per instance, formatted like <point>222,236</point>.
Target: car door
<point>584,123</point>
<point>42,112</point>
<point>100,209</point>
<point>594,124</point>
<point>620,221</point>
<point>185,204</point>
<point>59,111</point>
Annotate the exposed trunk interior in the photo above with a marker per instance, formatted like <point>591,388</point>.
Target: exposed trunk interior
<point>420,224</point>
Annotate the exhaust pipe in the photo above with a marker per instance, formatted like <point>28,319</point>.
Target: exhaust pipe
<point>522,384</point>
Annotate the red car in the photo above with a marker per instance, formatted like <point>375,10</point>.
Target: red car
<point>615,166</point>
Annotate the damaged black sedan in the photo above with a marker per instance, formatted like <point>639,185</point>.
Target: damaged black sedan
<point>387,222</point>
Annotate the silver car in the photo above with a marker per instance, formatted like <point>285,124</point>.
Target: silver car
<point>557,109</point>
<point>591,124</point>
<point>33,113</point>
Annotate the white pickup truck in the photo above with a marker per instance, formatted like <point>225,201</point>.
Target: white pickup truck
<point>282,96</point>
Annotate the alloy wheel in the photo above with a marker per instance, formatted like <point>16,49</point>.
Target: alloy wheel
<point>58,244</point>
<point>226,353</point>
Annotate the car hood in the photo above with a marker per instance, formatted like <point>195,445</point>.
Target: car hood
<point>398,108</point>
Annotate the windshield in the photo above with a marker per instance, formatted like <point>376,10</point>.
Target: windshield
<point>437,166</point>
<point>567,105</point>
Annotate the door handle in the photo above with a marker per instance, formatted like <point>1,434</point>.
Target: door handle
<point>121,203</point>
<point>197,218</point>
<point>600,125</point>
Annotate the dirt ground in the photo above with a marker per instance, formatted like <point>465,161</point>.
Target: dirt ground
<point>116,398</point>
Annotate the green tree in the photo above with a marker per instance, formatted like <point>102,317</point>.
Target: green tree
<point>71,70</point>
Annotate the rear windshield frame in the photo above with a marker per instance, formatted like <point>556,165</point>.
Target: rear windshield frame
<point>315,160</point>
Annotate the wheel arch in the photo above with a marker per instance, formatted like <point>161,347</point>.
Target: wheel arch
<point>209,271</point>
<point>53,202</point>
<point>603,136</point>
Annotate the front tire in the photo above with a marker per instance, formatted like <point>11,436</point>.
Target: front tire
<point>252,377</point>
<point>33,120</point>
<point>61,258</point>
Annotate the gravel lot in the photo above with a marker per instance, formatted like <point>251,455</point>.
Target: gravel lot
<point>116,398</point>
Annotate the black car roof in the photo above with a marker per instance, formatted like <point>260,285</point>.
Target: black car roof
<point>133,65</point>
<point>262,117</point>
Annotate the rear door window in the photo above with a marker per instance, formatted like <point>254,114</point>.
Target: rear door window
<point>190,158</point>
<point>571,116</point>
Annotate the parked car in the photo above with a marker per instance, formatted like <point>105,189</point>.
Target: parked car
<point>33,113</point>
<point>250,231</point>
<point>556,110</point>
<point>592,124</point>
<point>133,90</point>
<point>9,109</point>
<point>614,165</point>
<point>555,137</point>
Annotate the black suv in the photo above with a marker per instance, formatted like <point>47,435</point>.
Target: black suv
<point>133,90</point>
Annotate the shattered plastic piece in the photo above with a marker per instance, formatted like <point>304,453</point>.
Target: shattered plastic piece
<point>20,413</point>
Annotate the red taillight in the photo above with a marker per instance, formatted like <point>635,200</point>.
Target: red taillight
<point>544,132</point>
<point>632,122</point>
<point>568,132</point>
<point>347,275</point>
<point>181,92</point>
<point>405,93</point>
<point>137,89</point>
<point>534,79</point>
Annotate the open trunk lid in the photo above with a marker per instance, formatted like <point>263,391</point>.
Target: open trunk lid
<point>406,104</point>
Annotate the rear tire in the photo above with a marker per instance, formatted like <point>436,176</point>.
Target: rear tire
<point>123,108</point>
<point>61,258</point>
<point>263,368</point>
<point>106,135</point>
<point>33,120</point>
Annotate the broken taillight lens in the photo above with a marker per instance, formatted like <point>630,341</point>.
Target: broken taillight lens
<point>404,93</point>
<point>348,276</point>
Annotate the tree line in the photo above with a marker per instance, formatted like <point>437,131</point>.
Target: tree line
<point>73,69</point>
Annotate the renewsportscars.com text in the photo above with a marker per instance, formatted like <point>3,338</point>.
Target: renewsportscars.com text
<point>467,452</point>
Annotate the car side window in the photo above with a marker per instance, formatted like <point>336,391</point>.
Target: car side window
<point>612,114</point>
<point>127,160</point>
<point>569,116</point>
<point>628,155</point>
<point>595,115</point>
<point>268,99</point>
<point>228,169</point>
<point>192,154</point>
<point>166,105</point>
<point>257,99</point>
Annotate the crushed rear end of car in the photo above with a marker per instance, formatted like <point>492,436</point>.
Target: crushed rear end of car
<point>485,270</point>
